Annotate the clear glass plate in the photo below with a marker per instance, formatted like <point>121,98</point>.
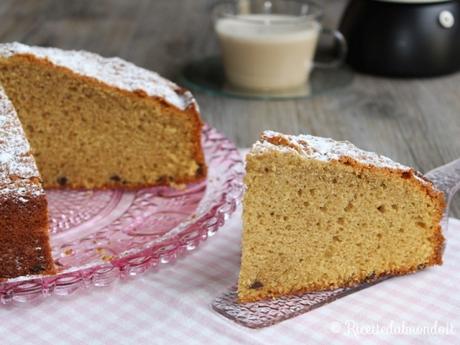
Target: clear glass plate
<point>98,237</point>
<point>269,312</point>
<point>207,75</point>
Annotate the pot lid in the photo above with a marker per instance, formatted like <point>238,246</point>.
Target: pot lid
<point>415,1</point>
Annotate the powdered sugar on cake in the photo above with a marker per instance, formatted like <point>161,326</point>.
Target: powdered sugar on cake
<point>324,149</point>
<point>17,165</point>
<point>112,71</point>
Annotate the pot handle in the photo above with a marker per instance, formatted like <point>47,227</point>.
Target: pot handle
<point>341,48</point>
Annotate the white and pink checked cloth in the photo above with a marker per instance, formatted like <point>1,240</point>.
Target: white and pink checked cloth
<point>173,306</point>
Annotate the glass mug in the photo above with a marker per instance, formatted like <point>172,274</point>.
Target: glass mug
<point>270,45</point>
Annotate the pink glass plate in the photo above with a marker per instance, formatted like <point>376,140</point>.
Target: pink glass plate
<point>269,312</point>
<point>100,236</point>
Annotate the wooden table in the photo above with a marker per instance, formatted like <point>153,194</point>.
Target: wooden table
<point>416,122</point>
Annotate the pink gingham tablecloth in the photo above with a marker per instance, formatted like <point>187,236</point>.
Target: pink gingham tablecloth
<point>173,306</point>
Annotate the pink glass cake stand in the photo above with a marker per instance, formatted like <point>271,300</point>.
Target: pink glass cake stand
<point>98,237</point>
<point>269,312</point>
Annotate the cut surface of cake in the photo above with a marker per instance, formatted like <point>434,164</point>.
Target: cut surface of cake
<point>24,243</point>
<point>320,214</point>
<point>96,122</point>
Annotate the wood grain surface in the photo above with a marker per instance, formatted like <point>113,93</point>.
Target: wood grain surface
<point>416,122</point>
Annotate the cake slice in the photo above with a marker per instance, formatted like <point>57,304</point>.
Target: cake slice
<point>320,214</point>
<point>24,246</point>
<point>96,122</point>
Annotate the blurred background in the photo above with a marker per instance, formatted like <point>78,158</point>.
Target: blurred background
<point>414,121</point>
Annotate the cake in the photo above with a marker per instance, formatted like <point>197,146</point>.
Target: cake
<point>95,122</point>
<point>74,119</point>
<point>320,214</point>
<point>24,246</point>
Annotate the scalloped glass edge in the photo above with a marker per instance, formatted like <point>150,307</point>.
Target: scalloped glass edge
<point>266,313</point>
<point>210,215</point>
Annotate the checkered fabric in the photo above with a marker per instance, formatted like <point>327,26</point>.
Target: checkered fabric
<point>173,306</point>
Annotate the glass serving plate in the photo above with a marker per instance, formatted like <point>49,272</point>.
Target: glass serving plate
<point>269,312</point>
<point>98,237</point>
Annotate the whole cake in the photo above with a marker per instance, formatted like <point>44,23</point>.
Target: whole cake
<point>320,214</point>
<point>24,247</point>
<point>96,122</point>
<point>91,122</point>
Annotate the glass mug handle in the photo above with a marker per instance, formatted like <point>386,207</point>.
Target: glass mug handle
<point>340,46</point>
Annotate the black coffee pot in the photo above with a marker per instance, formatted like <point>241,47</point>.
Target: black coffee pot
<point>403,38</point>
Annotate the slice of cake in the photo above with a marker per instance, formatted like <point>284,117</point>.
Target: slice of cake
<point>92,122</point>
<point>24,247</point>
<point>95,122</point>
<point>320,214</point>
